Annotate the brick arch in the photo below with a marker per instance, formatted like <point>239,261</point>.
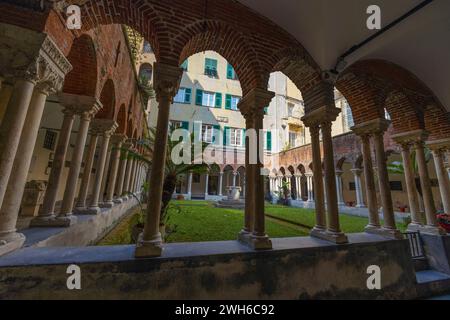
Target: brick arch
<point>82,80</point>
<point>230,43</point>
<point>108,100</point>
<point>121,119</point>
<point>372,85</point>
<point>141,16</point>
<point>404,116</point>
<point>437,122</point>
<point>297,65</point>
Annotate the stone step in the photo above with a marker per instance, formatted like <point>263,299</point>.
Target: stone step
<point>432,283</point>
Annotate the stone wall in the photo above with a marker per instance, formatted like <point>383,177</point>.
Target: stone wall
<point>297,268</point>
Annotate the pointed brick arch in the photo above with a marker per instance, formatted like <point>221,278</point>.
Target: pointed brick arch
<point>108,100</point>
<point>82,80</point>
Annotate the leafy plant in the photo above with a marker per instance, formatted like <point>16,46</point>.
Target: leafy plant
<point>173,172</point>
<point>283,192</point>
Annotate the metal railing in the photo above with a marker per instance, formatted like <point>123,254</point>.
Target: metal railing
<point>415,244</point>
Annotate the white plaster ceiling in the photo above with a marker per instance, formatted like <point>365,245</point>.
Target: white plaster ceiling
<point>328,28</point>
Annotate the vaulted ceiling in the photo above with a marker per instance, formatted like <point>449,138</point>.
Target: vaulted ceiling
<point>328,28</point>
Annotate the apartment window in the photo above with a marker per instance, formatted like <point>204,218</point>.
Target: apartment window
<point>293,139</point>
<point>232,102</point>
<point>236,137</point>
<point>176,124</point>
<point>208,99</point>
<point>183,95</point>
<point>207,133</point>
<point>266,110</point>
<point>185,65</point>
<point>147,47</point>
<point>145,72</point>
<point>50,140</point>
<point>231,74</point>
<point>290,110</point>
<point>211,68</point>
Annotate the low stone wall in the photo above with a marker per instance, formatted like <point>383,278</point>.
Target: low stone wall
<point>297,268</point>
<point>88,230</point>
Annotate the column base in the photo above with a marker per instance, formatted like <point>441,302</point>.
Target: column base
<point>342,204</point>
<point>118,200</point>
<point>360,206</point>
<point>91,210</point>
<point>433,230</point>
<point>53,222</point>
<point>148,249</point>
<point>79,210</point>
<point>388,233</point>
<point>335,237</point>
<point>260,242</point>
<point>11,243</point>
<point>108,204</point>
<point>244,237</point>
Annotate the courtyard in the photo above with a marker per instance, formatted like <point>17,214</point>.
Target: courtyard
<point>200,221</point>
<point>199,149</point>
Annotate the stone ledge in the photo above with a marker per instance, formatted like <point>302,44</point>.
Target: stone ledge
<point>296,268</point>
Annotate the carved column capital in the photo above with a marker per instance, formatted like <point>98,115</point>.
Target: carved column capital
<point>410,139</point>
<point>323,116</point>
<point>167,81</point>
<point>439,146</point>
<point>118,138</point>
<point>34,57</point>
<point>253,103</point>
<point>356,171</point>
<point>84,106</point>
<point>103,127</point>
<point>372,127</point>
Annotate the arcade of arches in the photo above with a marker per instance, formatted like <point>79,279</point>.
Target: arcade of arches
<point>89,74</point>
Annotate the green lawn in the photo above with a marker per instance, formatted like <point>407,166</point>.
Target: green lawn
<point>194,221</point>
<point>349,224</point>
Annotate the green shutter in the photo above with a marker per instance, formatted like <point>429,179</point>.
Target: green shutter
<point>185,125</point>
<point>244,140</point>
<point>230,72</point>
<point>216,134</point>
<point>269,140</point>
<point>266,110</point>
<point>199,97</point>
<point>228,102</point>
<point>187,95</point>
<point>218,100</point>
<point>226,136</point>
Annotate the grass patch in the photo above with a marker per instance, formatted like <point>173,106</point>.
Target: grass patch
<point>349,224</point>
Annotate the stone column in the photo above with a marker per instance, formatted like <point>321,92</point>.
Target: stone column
<point>220,183</point>
<point>333,228</point>
<point>376,129</point>
<point>316,179</point>
<point>166,81</point>
<point>340,193</point>
<point>430,209</point>
<point>189,191</point>
<point>47,217</point>
<point>25,61</point>
<point>105,128</point>
<point>86,108</point>
<point>358,188</point>
<point>13,197</point>
<point>121,175</point>
<point>105,177</point>
<point>438,149</point>
<point>234,178</point>
<point>85,180</point>
<point>252,108</point>
<point>405,141</point>
<point>126,182</point>
<point>206,185</point>
<point>117,141</point>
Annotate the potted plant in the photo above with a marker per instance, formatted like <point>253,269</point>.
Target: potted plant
<point>444,221</point>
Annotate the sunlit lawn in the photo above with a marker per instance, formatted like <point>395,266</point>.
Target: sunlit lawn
<point>193,221</point>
